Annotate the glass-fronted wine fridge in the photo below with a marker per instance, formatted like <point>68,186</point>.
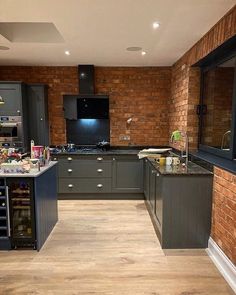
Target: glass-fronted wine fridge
<point>21,209</point>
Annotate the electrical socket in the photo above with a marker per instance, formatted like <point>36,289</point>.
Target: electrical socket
<point>124,137</point>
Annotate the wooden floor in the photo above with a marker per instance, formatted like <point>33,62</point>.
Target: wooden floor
<point>107,247</point>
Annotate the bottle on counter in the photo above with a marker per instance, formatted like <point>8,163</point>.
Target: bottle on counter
<point>31,149</point>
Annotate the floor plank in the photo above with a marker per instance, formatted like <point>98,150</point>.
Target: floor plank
<point>107,247</point>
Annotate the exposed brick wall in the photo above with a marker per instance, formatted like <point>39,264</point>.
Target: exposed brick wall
<point>185,95</point>
<point>140,93</point>
<point>224,212</point>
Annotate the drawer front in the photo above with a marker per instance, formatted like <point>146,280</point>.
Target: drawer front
<point>84,185</point>
<point>85,168</point>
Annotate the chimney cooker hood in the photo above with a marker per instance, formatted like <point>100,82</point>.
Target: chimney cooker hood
<point>86,82</point>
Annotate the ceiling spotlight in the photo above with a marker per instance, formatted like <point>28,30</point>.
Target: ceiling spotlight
<point>155,25</point>
<point>144,52</point>
<point>133,48</point>
<point>67,52</point>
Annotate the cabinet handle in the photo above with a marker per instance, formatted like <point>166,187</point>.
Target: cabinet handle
<point>41,119</point>
<point>158,174</point>
<point>69,159</point>
<point>114,159</point>
<point>99,158</point>
<point>146,160</point>
<point>8,212</point>
<point>70,185</point>
<point>0,193</point>
<point>18,111</point>
<point>99,185</point>
<point>153,171</point>
<point>99,170</point>
<point>54,159</point>
<point>69,170</point>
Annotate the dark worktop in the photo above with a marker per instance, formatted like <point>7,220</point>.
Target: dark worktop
<point>191,169</point>
<point>118,150</point>
<point>100,152</point>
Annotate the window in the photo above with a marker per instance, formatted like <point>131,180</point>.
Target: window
<point>218,108</point>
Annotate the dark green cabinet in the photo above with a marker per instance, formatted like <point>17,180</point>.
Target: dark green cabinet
<point>83,176</point>
<point>127,174</point>
<point>180,208</point>
<point>13,95</point>
<point>38,113</point>
<point>146,178</point>
<point>70,107</point>
<point>152,190</point>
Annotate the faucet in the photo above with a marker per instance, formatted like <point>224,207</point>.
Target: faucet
<point>227,133</point>
<point>177,136</point>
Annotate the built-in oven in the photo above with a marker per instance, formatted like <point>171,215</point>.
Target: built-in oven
<point>11,131</point>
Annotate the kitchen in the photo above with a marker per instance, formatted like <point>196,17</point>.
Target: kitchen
<point>104,240</point>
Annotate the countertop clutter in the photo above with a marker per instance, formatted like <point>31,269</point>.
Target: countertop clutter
<point>190,169</point>
<point>31,173</point>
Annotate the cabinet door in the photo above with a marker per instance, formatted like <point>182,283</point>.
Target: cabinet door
<point>158,197</point>
<point>146,184</point>
<point>70,107</point>
<point>12,96</point>
<point>127,174</point>
<point>152,189</point>
<point>21,202</point>
<point>38,114</point>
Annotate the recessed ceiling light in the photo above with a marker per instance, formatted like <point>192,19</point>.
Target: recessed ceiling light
<point>4,48</point>
<point>134,48</point>
<point>67,52</point>
<point>155,25</point>
<point>144,52</point>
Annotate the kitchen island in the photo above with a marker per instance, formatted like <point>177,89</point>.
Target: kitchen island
<point>28,207</point>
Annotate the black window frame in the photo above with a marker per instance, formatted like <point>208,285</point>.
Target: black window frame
<point>217,57</point>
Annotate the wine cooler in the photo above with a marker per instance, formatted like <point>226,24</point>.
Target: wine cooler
<point>21,210</point>
<point>4,216</point>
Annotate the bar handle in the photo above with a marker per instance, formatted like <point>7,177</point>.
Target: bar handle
<point>8,212</point>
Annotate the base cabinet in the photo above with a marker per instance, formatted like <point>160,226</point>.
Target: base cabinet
<point>127,174</point>
<point>180,209</point>
<point>88,174</point>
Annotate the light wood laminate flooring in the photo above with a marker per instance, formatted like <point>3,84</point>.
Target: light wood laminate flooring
<point>107,247</point>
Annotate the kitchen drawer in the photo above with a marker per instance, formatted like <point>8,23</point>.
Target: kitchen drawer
<point>85,168</point>
<point>84,185</point>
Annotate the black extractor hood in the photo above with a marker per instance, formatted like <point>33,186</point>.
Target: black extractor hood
<point>86,79</point>
<point>86,82</point>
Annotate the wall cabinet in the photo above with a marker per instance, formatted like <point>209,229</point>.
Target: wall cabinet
<point>38,113</point>
<point>180,208</point>
<point>13,94</point>
<point>91,174</point>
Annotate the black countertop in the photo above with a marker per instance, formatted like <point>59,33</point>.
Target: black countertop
<point>191,169</point>
<point>100,152</point>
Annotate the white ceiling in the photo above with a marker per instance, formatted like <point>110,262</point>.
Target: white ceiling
<point>99,31</point>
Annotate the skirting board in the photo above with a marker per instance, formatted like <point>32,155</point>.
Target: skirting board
<point>222,262</point>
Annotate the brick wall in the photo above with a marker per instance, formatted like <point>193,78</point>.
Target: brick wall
<point>224,212</point>
<point>185,95</point>
<point>140,93</point>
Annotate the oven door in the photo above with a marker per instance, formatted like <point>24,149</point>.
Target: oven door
<point>10,131</point>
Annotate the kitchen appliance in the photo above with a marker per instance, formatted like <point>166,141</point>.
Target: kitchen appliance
<point>11,131</point>
<point>104,145</point>
<point>17,227</point>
